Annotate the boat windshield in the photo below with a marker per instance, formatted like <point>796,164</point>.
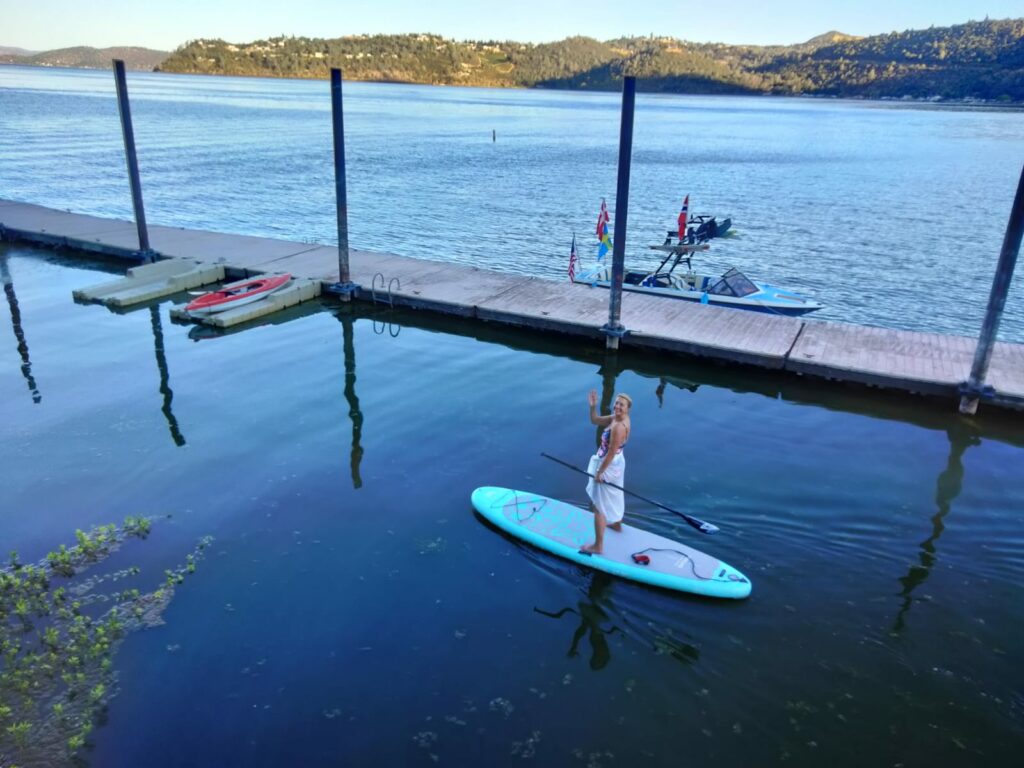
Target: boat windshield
<point>733,283</point>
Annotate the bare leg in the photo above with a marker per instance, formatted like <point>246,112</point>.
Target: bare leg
<point>615,526</point>
<point>599,523</point>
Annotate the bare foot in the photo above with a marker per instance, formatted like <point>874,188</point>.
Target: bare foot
<point>590,549</point>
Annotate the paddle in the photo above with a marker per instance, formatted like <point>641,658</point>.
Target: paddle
<point>700,525</point>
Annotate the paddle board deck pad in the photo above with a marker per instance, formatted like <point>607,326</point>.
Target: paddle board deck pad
<point>562,529</point>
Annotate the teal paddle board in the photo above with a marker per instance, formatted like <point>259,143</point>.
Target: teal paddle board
<point>562,529</point>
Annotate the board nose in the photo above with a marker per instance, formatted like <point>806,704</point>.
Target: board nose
<point>484,496</point>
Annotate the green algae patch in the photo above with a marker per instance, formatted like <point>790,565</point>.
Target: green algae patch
<point>59,632</point>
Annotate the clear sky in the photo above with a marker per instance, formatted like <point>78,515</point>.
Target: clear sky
<point>166,24</point>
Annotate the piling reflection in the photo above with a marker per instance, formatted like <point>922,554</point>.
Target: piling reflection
<point>610,370</point>
<point>689,373</point>
<point>356,415</point>
<point>165,377</point>
<point>961,435</point>
<point>592,618</point>
<point>19,332</point>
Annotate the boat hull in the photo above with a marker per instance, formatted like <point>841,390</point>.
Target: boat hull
<point>768,300</point>
<point>237,295</point>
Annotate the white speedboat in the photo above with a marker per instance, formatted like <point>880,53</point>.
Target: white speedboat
<point>732,289</point>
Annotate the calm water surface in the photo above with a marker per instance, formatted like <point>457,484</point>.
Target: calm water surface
<point>355,611</point>
<point>890,214</point>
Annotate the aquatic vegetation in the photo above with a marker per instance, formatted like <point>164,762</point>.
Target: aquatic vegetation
<point>501,705</point>
<point>431,546</point>
<point>527,748</point>
<point>58,639</point>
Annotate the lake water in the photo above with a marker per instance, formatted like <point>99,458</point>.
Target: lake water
<point>890,214</point>
<point>353,610</point>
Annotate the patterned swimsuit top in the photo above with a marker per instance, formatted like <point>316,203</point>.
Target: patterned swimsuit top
<point>606,437</point>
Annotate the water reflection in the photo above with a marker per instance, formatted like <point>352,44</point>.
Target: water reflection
<point>592,615</point>
<point>610,370</point>
<point>19,333</point>
<point>380,324</point>
<point>689,373</point>
<point>961,435</point>
<point>664,381</point>
<point>165,377</point>
<point>356,415</point>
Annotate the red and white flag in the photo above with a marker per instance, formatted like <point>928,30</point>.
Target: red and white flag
<point>572,260</point>
<point>602,220</point>
<point>682,217</point>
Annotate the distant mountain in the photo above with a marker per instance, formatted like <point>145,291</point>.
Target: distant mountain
<point>974,61</point>
<point>6,50</point>
<point>87,58</point>
<point>829,38</point>
<point>977,61</point>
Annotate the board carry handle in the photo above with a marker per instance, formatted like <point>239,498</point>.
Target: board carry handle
<point>695,522</point>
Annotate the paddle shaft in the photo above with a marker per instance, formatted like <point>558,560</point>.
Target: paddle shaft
<point>697,523</point>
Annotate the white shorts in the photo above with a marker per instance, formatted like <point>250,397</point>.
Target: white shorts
<point>611,502</point>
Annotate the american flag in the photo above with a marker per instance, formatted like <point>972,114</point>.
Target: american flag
<point>572,260</point>
<point>682,217</point>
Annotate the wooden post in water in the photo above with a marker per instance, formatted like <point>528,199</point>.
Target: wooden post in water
<point>974,388</point>
<point>133,164</point>
<point>614,329</point>
<point>344,288</point>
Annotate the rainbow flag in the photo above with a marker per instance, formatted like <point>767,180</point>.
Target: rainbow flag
<point>604,241</point>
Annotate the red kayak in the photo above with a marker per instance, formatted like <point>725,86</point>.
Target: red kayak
<point>237,294</point>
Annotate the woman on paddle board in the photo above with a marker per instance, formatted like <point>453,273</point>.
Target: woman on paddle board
<point>608,464</point>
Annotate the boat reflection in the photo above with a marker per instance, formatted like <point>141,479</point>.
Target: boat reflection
<point>664,381</point>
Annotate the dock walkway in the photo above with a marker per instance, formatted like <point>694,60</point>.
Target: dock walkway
<point>927,363</point>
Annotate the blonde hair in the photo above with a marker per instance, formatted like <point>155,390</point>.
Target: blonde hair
<point>627,398</point>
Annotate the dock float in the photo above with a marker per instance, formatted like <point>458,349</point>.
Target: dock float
<point>152,281</point>
<point>296,292</point>
<point>909,361</point>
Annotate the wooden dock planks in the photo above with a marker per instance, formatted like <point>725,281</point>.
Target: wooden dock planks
<point>744,337</point>
<point>927,363</point>
<point>54,227</point>
<point>919,362</point>
<point>547,305</point>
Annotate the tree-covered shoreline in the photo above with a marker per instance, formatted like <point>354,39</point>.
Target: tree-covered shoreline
<point>976,62</point>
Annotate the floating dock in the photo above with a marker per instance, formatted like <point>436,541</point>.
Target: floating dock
<point>926,363</point>
<point>295,292</point>
<point>152,281</point>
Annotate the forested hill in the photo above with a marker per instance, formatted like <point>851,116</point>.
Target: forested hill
<point>979,60</point>
<point>974,61</point>
<point>83,57</point>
